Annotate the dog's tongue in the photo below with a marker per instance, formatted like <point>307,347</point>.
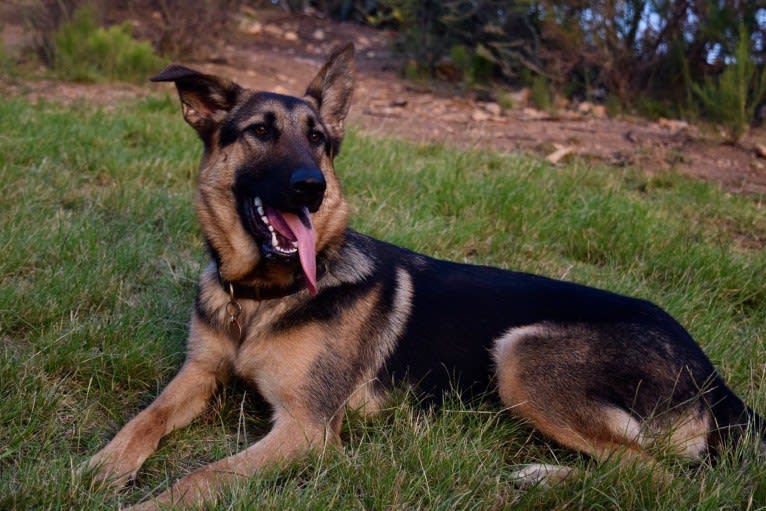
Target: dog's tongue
<point>306,237</point>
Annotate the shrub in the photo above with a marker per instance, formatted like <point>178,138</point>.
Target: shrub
<point>83,51</point>
<point>474,68</point>
<point>540,93</point>
<point>732,98</point>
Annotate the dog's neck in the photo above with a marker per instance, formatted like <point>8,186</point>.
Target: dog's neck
<point>258,293</point>
<point>267,292</point>
<point>325,259</point>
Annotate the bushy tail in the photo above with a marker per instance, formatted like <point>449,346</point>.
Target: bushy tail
<point>733,421</point>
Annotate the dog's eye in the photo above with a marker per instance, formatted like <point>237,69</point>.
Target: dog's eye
<point>316,137</point>
<point>260,130</point>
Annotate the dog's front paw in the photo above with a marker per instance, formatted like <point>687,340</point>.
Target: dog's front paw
<point>110,468</point>
<point>201,486</point>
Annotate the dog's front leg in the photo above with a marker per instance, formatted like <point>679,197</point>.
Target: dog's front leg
<point>288,440</point>
<point>186,396</point>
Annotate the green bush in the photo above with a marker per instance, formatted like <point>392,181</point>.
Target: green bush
<point>540,93</point>
<point>84,51</point>
<point>474,68</point>
<point>732,98</point>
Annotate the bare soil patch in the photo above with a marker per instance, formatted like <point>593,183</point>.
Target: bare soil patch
<point>281,52</point>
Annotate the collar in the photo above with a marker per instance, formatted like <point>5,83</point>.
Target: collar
<point>259,293</point>
<point>235,290</point>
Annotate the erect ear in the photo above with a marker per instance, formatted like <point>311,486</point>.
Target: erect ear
<point>205,99</point>
<point>331,89</point>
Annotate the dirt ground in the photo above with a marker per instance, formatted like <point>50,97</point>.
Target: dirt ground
<point>280,52</point>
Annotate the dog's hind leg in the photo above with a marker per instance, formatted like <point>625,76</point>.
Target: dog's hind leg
<point>185,397</point>
<point>555,377</point>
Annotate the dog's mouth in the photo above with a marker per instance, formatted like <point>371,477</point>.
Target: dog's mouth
<point>284,236</point>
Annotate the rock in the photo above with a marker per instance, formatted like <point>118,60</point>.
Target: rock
<point>273,30</point>
<point>318,34</point>
<point>290,36</point>
<point>253,28</point>
<point>559,154</point>
<point>760,150</point>
<point>493,108</point>
<point>533,114</point>
<point>598,111</point>
<point>585,107</point>
<point>480,116</point>
<point>674,125</point>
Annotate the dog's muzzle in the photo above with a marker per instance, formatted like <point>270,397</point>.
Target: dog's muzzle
<point>281,223</point>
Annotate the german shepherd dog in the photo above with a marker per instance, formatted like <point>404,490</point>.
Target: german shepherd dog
<point>321,318</point>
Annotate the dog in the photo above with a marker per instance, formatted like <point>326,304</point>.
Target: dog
<point>321,318</point>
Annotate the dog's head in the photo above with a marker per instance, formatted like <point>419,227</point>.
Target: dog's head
<point>268,198</point>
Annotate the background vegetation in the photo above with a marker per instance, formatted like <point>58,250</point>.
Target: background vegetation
<point>174,27</point>
<point>101,256</point>
<point>661,57</point>
<point>674,58</point>
<point>84,51</point>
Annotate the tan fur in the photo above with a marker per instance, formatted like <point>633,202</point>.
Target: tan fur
<point>216,211</point>
<point>366,399</point>
<point>688,435</point>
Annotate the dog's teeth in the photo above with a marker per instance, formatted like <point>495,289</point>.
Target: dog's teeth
<point>262,212</point>
<point>286,251</point>
<point>274,240</point>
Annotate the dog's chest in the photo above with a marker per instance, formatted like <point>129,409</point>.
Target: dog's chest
<point>279,364</point>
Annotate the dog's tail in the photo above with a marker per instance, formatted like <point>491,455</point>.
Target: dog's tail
<point>734,422</point>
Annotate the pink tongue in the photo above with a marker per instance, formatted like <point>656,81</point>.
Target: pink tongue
<point>307,240</point>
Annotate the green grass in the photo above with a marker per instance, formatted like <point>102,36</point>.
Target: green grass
<point>101,252</point>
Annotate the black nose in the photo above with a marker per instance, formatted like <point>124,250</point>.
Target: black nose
<point>307,186</point>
